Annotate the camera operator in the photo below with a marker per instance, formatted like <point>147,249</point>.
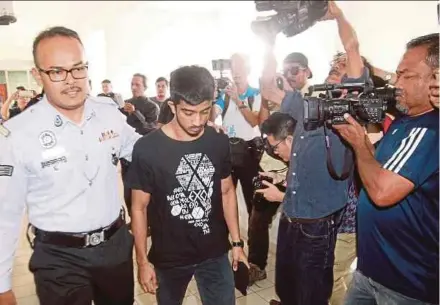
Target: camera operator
<point>398,222</point>
<point>314,200</point>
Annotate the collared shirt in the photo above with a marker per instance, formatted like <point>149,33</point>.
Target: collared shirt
<point>63,173</point>
<point>311,191</point>
<point>399,245</point>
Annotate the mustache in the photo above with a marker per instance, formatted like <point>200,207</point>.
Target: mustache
<point>66,91</point>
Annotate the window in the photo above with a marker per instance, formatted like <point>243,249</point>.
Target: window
<point>17,78</point>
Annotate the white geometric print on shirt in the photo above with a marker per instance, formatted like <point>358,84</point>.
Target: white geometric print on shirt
<point>192,200</point>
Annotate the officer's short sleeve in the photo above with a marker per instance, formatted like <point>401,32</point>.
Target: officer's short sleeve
<point>365,77</point>
<point>416,159</point>
<point>13,191</point>
<point>128,138</point>
<point>293,105</point>
<point>140,175</point>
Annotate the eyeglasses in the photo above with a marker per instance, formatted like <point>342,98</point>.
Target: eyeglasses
<point>273,147</point>
<point>293,71</point>
<point>60,74</point>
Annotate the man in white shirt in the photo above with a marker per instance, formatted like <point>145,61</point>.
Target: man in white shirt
<point>59,161</point>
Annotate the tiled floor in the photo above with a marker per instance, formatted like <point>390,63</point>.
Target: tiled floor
<point>24,288</point>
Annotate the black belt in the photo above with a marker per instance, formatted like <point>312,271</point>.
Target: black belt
<point>307,220</point>
<point>80,240</point>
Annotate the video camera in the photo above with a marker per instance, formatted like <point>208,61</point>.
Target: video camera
<point>367,107</point>
<point>292,18</point>
<point>221,65</point>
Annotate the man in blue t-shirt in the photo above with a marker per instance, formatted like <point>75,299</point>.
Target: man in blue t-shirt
<point>398,210</point>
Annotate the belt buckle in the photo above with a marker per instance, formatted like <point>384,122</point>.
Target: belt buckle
<point>94,239</point>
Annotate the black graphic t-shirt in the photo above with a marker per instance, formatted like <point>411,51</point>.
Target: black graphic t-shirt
<point>185,213</point>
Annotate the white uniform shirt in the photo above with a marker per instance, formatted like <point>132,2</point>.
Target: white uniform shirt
<point>64,174</point>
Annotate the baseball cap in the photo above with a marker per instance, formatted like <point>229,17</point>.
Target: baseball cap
<point>299,58</point>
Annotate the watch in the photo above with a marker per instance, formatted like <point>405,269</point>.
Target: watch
<point>238,243</point>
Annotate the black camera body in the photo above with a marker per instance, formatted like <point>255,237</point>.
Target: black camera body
<point>368,107</point>
<point>260,203</point>
<point>292,18</point>
<point>221,65</point>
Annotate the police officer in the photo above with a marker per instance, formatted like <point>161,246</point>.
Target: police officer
<point>59,161</point>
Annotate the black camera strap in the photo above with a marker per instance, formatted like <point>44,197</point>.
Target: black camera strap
<point>348,162</point>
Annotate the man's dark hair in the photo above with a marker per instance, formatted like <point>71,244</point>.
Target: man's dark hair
<point>192,84</point>
<point>161,79</point>
<point>279,125</point>
<point>431,41</point>
<point>21,88</point>
<point>106,81</point>
<point>144,78</point>
<point>55,31</point>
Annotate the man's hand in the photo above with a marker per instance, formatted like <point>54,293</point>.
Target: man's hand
<point>147,278</point>
<point>232,91</point>
<point>271,92</point>
<point>271,193</point>
<point>333,12</point>
<point>434,89</point>
<point>353,133</point>
<point>217,128</point>
<point>7,298</point>
<point>277,178</point>
<point>238,256</point>
<point>128,107</point>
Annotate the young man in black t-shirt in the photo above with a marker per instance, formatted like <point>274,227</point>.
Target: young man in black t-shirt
<point>181,179</point>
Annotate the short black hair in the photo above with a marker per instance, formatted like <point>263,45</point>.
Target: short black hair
<point>192,84</point>
<point>106,81</point>
<point>144,78</point>
<point>279,125</point>
<point>21,88</point>
<point>161,79</point>
<point>431,41</point>
<point>55,31</point>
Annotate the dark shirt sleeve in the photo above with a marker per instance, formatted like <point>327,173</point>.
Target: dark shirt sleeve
<point>151,112</point>
<point>140,175</point>
<point>416,160</point>
<point>365,77</point>
<point>226,157</point>
<point>165,114</point>
<point>293,104</point>
<point>14,111</point>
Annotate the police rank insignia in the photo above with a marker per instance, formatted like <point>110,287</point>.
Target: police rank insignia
<point>47,139</point>
<point>58,122</point>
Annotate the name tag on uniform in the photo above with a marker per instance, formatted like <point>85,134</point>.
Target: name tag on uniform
<point>107,135</point>
<point>6,170</point>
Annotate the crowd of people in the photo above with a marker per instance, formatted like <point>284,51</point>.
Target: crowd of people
<point>344,191</point>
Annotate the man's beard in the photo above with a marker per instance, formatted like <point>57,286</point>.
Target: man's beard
<point>192,133</point>
<point>402,109</point>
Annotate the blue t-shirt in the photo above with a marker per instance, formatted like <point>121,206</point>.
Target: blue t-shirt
<point>399,245</point>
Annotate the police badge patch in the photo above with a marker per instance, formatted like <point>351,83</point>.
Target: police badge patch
<point>48,139</point>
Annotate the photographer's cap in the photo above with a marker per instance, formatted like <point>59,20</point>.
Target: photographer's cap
<point>299,58</point>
